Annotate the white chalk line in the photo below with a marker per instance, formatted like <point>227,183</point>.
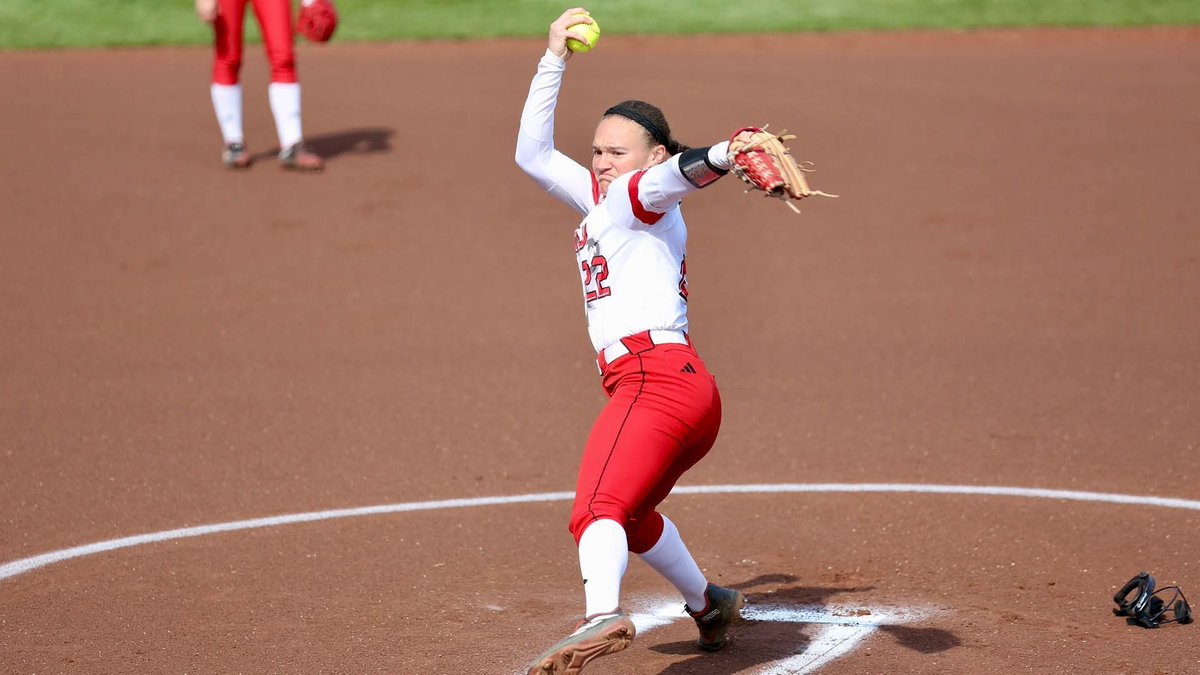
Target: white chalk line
<point>836,630</point>
<point>24,565</point>
<point>840,631</point>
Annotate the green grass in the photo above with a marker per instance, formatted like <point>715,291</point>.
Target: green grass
<point>40,24</point>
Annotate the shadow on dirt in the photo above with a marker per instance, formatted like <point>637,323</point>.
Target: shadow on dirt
<point>924,640</point>
<point>366,141</point>
<point>757,643</point>
<point>353,141</point>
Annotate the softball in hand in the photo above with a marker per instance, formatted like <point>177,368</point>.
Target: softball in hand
<point>582,37</point>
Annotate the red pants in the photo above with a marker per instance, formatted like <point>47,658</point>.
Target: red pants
<point>662,417</point>
<point>275,21</point>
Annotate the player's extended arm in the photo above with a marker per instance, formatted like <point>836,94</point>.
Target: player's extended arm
<point>643,196</point>
<point>664,185</point>
<point>558,174</point>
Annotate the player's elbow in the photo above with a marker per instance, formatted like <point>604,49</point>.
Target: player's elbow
<point>527,168</point>
<point>524,158</point>
<point>531,163</point>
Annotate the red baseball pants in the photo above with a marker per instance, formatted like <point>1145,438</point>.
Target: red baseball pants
<point>663,415</point>
<point>275,20</point>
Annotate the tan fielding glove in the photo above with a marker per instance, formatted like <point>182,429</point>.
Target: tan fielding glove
<point>760,158</point>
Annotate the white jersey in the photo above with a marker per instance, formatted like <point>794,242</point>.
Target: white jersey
<point>631,246</point>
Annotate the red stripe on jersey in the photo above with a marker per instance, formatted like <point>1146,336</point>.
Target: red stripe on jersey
<point>639,211</point>
<point>595,189</point>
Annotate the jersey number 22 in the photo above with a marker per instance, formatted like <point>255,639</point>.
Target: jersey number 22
<point>595,272</point>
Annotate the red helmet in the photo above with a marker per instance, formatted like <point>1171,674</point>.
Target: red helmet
<point>317,20</point>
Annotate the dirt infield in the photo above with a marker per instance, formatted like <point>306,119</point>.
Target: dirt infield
<point>1004,295</point>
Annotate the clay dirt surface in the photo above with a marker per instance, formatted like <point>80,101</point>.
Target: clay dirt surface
<point>1005,294</point>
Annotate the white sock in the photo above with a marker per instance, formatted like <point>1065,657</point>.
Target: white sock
<point>670,558</point>
<point>285,107</point>
<point>603,558</point>
<point>227,102</point>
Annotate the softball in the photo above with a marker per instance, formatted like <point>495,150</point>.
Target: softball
<point>584,36</point>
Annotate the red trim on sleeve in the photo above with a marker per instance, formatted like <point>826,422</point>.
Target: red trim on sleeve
<point>595,189</point>
<point>639,211</point>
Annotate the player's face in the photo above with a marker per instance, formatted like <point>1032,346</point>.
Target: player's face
<point>621,146</point>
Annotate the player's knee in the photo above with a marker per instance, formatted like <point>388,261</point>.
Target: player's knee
<point>226,71</point>
<point>283,68</point>
<point>583,517</point>
<point>643,533</point>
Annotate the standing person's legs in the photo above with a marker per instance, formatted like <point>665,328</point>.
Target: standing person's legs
<point>226,89</point>
<point>275,19</point>
<point>659,421</point>
<point>640,444</point>
<point>622,461</point>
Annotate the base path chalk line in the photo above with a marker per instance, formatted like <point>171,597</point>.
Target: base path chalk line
<point>23,565</point>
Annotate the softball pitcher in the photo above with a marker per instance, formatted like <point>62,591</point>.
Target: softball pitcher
<point>664,410</point>
<point>275,20</point>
